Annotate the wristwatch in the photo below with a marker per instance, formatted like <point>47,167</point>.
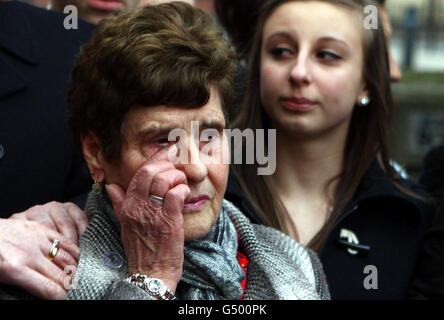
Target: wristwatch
<point>153,286</point>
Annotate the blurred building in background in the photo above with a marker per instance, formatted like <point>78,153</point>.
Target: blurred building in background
<point>418,46</point>
<point>418,38</point>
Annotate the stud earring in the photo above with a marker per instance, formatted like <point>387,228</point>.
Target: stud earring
<point>364,101</point>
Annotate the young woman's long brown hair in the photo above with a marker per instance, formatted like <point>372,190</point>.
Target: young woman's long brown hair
<point>367,138</point>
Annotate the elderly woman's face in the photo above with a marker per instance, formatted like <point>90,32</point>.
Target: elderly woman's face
<point>146,131</point>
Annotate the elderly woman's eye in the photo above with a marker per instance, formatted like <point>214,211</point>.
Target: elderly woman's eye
<point>208,135</point>
<point>163,140</point>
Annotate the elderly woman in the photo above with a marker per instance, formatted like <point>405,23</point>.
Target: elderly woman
<point>159,225</point>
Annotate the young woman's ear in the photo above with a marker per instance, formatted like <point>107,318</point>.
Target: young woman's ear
<point>92,153</point>
<point>363,98</point>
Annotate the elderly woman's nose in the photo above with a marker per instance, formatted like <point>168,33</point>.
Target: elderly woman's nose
<point>194,168</point>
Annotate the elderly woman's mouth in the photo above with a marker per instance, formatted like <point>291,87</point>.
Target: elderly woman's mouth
<point>196,203</point>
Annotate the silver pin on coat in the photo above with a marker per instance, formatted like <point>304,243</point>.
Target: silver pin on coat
<point>351,237</point>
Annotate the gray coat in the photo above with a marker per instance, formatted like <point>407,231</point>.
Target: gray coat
<point>279,267</point>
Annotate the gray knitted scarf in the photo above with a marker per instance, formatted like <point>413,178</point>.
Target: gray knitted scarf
<point>210,269</point>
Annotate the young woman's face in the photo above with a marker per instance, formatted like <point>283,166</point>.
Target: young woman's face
<point>311,67</point>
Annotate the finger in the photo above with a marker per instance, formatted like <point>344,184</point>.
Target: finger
<point>63,259</point>
<point>165,181</point>
<point>39,285</point>
<point>66,244</point>
<point>78,216</point>
<point>175,199</point>
<point>18,216</point>
<point>173,154</point>
<point>64,222</point>
<point>162,183</point>
<point>39,214</point>
<point>172,246</point>
<point>140,185</point>
<point>117,196</point>
<point>169,155</point>
<point>54,273</point>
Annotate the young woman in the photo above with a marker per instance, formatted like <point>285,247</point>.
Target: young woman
<point>322,80</point>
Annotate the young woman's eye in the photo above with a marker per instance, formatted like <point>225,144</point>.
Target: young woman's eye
<point>328,56</point>
<point>280,52</point>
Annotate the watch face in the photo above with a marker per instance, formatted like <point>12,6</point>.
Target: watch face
<point>156,286</point>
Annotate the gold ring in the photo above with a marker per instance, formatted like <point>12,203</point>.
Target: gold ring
<point>54,249</point>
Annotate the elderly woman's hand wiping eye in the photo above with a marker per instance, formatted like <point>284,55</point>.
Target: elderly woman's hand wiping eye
<point>152,229</point>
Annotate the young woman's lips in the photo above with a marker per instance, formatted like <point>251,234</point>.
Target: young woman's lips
<point>298,104</point>
<point>196,203</point>
<point>111,5</point>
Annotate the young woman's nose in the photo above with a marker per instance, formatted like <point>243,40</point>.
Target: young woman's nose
<point>299,73</point>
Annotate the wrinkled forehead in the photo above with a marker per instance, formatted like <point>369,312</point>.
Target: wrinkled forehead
<point>142,120</point>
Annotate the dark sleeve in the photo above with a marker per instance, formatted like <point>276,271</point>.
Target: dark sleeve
<point>433,171</point>
<point>428,281</point>
<point>78,182</point>
<point>80,200</point>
